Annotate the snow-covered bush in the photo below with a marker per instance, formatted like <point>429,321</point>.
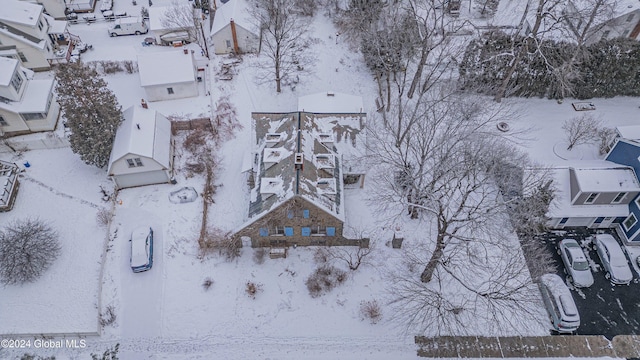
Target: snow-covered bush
<point>108,317</point>
<point>252,289</point>
<point>206,284</point>
<point>259,255</point>
<point>370,309</point>
<point>28,247</point>
<point>324,279</point>
<point>219,241</point>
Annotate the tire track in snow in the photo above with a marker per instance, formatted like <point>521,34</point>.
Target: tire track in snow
<point>59,193</point>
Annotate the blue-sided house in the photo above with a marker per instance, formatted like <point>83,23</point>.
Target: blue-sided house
<point>626,151</point>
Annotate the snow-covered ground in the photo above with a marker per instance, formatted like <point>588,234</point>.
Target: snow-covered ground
<point>166,313</point>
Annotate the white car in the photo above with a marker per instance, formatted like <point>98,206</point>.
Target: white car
<point>576,263</point>
<point>559,303</point>
<point>613,259</point>
<point>142,249</point>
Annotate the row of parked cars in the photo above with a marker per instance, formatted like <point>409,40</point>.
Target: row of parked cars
<point>555,293</point>
<point>610,253</point>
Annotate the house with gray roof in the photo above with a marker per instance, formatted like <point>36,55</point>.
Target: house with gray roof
<point>297,177</point>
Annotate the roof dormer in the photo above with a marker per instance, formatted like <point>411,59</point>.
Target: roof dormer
<point>12,80</point>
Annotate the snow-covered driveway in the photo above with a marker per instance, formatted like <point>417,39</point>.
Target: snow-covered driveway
<point>141,293</point>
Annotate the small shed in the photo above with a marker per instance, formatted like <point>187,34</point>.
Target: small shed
<point>233,30</point>
<point>168,75</point>
<point>142,152</point>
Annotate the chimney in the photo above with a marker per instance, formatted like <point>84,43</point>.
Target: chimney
<point>299,161</point>
<point>143,104</point>
<point>186,51</point>
<point>236,49</point>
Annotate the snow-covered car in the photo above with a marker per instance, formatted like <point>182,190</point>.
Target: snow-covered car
<point>576,263</point>
<point>106,5</point>
<point>613,259</point>
<point>142,249</point>
<point>559,303</point>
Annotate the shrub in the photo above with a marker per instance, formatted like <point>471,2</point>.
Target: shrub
<point>103,216</point>
<point>324,279</point>
<point>216,240</point>
<point>321,255</point>
<point>259,255</point>
<point>28,247</point>
<point>370,309</point>
<point>252,289</point>
<point>129,66</point>
<point>108,317</point>
<point>206,284</point>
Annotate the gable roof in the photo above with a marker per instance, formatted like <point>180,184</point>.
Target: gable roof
<point>20,12</point>
<point>631,132</point>
<point>166,67</point>
<point>151,139</point>
<point>236,10</point>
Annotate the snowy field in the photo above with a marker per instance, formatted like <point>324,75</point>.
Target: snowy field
<point>166,313</point>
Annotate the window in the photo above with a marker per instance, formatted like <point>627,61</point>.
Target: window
<point>22,57</point>
<point>331,231</point>
<point>591,198</point>
<point>288,231</point>
<point>170,91</point>
<point>3,122</point>
<point>629,222</point>
<point>318,230</point>
<point>228,43</point>
<point>306,231</point>
<point>40,25</point>
<point>305,214</point>
<point>33,116</point>
<point>264,232</point>
<point>619,197</point>
<point>135,162</point>
<point>605,35</point>
<point>290,214</point>
<point>16,81</point>
<point>630,17</point>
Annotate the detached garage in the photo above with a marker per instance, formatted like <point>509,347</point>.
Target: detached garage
<point>142,152</point>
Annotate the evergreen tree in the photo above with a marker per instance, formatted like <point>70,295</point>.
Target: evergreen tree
<point>91,109</point>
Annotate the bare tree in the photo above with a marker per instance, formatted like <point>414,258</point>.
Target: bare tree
<point>184,17</point>
<point>581,130</point>
<point>359,19</point>
<point>285,41</point>
<point>544,21</point>
<point>352,256</point>
<point>580,21</point>
<point>28,247</point>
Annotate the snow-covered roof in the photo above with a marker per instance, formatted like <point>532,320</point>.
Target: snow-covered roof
<point>34,99</point>
<point>166,67</point>
<point>296,161</point>
<point>22,36</point>
<point>20,12</point>
<point>626,6</point>
<point>631,132</point>
<point>7,68</point>
<point>157,16</point>
<point>144,132</point>
<point>56,26</point>
<point>614,179</point>
<point>331,103</point>
<point>561,205</point>
<point>236,10</point>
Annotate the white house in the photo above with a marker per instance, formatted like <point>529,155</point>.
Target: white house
<point>24,27</point>
<point>8,185</point>
<point>142,151</point>
<point>624,23</point>
<point>26,105</point>
<point>55,8</point>
<point>168,23</point>
<point>233,30</point>
<point>168,75</point>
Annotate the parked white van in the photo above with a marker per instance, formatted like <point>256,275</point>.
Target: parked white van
<point>128,26</point>
<point>559,303</point>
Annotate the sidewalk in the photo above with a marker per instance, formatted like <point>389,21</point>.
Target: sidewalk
<point>622,346</point>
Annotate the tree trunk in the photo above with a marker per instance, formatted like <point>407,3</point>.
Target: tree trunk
<point>507,77</point>
<point>418,74</point>
<point>436,257</point>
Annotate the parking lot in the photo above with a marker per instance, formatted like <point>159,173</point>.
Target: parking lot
<point>605,309</point>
